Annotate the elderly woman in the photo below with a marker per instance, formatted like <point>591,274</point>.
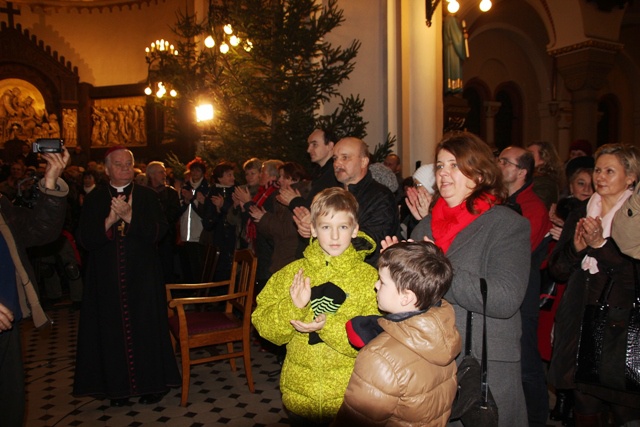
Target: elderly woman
<point>278,224</point>
<point>587,257</point>
<point>482,240</point>
<point>265,198</point>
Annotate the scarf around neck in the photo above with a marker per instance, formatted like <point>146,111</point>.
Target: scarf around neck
<point>447,222</point>
<point>594,210</point>
<point>259,199</point>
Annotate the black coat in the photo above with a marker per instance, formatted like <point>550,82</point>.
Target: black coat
<point>377,213</point>
<point>222,233</point>
<point>565,264</point>
<point>124,348</point>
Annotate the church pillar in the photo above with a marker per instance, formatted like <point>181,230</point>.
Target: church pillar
<point>584,69</point>
<point>491,108</point>
<point>564,122</point>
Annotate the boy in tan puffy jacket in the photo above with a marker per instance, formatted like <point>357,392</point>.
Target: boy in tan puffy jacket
<point>406,373</point>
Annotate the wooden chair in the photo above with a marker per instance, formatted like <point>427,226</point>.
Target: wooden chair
<point>198,328</point>
<point>210,263</point>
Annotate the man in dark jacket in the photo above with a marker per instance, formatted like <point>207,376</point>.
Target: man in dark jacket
<point>22,228</point>
<point>320,149</point>
<point>377,212</point>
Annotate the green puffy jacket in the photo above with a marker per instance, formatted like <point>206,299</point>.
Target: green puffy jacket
<point>315,376</point>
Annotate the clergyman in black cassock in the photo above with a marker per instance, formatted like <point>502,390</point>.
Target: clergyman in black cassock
<point>124,348</point>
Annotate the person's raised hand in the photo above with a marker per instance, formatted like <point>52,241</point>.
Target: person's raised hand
<point>241,195</point>
<point>418,201</point>
<point>286,195</point>
<point>122,207</point>
<point>300,290</point>
<point>257,212</point>
<point>302,218</point>
<point>56,163</point>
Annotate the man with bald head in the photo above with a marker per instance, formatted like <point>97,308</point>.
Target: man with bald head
<point>124,348</point>
<point>377,212</point>
<point>517,166</point>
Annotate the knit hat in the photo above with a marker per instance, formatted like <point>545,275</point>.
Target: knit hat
<point>582,162</point>
<point>581,144</point>
<point>426,176</point>
<point>384,176</point>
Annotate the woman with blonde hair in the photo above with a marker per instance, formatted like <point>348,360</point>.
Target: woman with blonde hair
<point>588,258</point>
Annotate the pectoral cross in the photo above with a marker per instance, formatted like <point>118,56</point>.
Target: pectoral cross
<point>121,228</point>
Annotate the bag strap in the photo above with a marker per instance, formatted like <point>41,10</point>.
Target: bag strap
<point>603,300</point>
<point>467,345</point>
<point>484,387</point>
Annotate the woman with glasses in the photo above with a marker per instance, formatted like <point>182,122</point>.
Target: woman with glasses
<point>482,240</point>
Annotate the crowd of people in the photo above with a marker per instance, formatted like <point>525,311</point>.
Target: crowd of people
<point>364,279</point>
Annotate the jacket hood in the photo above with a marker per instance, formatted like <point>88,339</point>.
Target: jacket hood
<point>315,254</point>
<point>433,335</point>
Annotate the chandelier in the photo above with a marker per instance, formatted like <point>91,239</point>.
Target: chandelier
<point>227,39</point>
<point>157,56</point>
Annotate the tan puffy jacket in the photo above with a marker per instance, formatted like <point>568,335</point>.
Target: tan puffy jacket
<point>406,376</point>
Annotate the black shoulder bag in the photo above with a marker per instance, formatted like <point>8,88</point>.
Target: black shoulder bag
<point>609,346</point>
<point>474,404</point>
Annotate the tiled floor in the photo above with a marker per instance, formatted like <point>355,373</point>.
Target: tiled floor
<point>218,396</point>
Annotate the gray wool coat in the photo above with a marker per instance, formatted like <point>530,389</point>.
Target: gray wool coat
<point>496,247</point>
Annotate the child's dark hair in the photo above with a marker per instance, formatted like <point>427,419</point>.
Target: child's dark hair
<point>420,267</point>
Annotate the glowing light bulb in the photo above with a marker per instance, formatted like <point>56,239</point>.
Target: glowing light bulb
<point>204,112</point>
<point>234,41</point>
<point>148,91</point>
<point>161,90</point>
<point>209,42</point>
<point>173,93</point>
<point>224,48</point>
<point>248,46</point>
<point>227,29</point>
<point>485,5</point>
<point>453,6</point>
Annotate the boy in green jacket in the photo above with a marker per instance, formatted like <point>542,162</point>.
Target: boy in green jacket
<point>307,303</point>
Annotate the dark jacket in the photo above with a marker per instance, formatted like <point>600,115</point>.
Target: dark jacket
<point>584,288</point>
<point>279,227</point>
<point>322,179</point>
<point>34,227</point>
<point>377,212</point>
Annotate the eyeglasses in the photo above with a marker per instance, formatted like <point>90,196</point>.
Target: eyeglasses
<point>504,162</point>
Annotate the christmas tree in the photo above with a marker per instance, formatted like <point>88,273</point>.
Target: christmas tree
<point>267,89</point>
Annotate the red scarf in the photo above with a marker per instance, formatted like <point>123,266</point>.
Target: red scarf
<point>447,222</point>
<point>261,196</point>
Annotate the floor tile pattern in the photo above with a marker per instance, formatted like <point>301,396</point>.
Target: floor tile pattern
<point>217,397</point>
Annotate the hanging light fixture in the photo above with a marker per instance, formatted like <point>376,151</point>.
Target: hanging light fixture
<point>156,55</point>
<point>453,6</point>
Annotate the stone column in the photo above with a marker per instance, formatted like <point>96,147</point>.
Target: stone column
<point>490,110</point>
<point>584,68</point>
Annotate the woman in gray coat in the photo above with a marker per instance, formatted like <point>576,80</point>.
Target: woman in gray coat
<point>482,240</point>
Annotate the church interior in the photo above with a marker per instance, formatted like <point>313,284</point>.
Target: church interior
<point>530,70</point>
